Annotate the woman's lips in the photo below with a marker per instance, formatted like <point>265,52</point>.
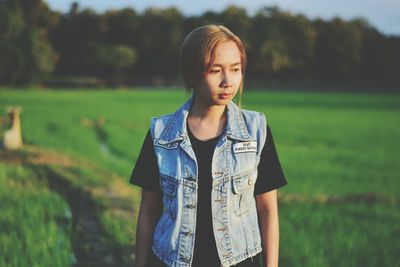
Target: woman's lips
<point>224,95</point>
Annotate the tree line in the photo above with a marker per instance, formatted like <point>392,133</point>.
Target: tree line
<point>126,47</point>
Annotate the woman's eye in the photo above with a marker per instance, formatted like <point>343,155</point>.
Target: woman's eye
<point>236,69</point>
<point>215,71</point>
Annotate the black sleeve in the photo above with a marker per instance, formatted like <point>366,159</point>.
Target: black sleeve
<point>145,173</point>
<point>270,174</point>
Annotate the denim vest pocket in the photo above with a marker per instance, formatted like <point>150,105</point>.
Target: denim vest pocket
<point>243,190</point>
<point>169,187</point>
<point>168,184</point>
<point>169,163</point>
<point>165,144</point>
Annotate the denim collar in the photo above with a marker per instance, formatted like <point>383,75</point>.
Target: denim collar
<point>176,127</point>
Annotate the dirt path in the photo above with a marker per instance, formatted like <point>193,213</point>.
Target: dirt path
<point>90,243</point>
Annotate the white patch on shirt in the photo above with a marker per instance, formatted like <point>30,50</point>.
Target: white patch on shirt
<point>245,147</point>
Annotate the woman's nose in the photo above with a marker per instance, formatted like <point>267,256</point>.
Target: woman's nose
<point>226,80</point>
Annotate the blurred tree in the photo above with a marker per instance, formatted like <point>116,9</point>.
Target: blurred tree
<point>11,23</point>
<point>38,55</point>
<point>274,56</point>
<point>76,39</point>
<point>275,53</point>
<point>237,20</point>
<point>372,50</point>
<point>160,35</point>
<point>391,55</point>
<point>144,47</point>
<point>37,14</point>
<point>209,17</point>
<point>11,57</point>
<point>300,36</point>
<point>268,54</point>
<point>112,61</point>
<point>338,50</point>
<point>122,27</point>
<point>25,54</point>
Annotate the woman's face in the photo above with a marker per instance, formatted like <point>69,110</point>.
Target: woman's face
<point>222,80</point>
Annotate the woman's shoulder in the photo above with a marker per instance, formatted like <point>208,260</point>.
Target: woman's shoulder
<point>162,118</point>
<point>159,123</point>
<point>256,123</point>
<point>251,115</point>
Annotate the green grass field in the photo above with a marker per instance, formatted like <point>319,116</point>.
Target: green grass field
<point>35,223</point>
<point>340,154</point>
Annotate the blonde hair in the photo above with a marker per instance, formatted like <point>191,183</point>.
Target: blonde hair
<point>197,53</point>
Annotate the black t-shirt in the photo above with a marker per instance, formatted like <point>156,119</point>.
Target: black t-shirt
<point>146,175</point>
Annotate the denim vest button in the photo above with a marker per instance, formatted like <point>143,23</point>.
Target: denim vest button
<point>186,260</point>
<point>227,255</point>
<point>189,234</point>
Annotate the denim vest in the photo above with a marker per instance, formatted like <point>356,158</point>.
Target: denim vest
<point>234,173</point>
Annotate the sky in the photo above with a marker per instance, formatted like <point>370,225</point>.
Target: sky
<point>382,14</point>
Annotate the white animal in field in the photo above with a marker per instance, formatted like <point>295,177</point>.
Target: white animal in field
<point>13,138</point>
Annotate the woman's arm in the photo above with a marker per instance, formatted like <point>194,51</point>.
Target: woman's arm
<point>149,213</point>
<point>267,208</point>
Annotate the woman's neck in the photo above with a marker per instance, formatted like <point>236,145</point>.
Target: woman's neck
<point>206,122</point>
<point>207,113</point>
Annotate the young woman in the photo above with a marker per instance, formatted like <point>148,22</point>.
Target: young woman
<point>209,171</point>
